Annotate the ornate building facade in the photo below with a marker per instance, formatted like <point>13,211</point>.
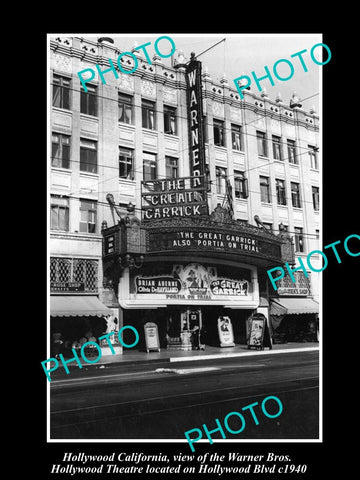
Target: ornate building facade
<point>123,251</point>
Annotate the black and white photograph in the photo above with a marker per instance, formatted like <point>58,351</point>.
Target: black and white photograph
<point>186,253</point>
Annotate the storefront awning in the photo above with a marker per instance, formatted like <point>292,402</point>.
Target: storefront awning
<point>289,306</point>
<point>263,302</point>
<point>77,306</point>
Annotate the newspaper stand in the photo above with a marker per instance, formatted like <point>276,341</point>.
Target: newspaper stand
<point>151,337</point>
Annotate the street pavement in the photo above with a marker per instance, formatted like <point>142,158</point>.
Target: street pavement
<point>162,398</point>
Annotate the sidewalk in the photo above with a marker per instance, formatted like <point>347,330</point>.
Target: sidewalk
<point>133,356</point>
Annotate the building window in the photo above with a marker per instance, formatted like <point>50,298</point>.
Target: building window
<point>280,192</point>
<point>60,272</point>
<point>316,198</point>
<point>125,108</point>
<point>172,168</point>
<point>88,101</point>
<point>65,271</point>
<point>59,213</point>
<point>87,216</point>
<point>61,92</point>
<point>149,166</point>
<point>261,143</point>
<point>219,134</point>
<point>236,141</point>
<point>86,272</point>
<point>295,194</point>
<point>88,155</point>
<point>126,159</point>
<point>220,180</point>
<point>299,239</point>
<point>148,114</point>
<point>276,145</point>
<point>60,154</point>
<point>313,158</point>
<point>240,185</point>
<point>170,120</point>
<point>265,189</point>
<point>291,151</point>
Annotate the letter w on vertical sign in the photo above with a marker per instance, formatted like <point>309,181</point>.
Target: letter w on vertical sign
<point>196,126</point>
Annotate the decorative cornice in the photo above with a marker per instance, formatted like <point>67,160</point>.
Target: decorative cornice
<point>155,72</point>
<point>76,236</point>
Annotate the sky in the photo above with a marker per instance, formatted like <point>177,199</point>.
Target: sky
<point>242,54</point>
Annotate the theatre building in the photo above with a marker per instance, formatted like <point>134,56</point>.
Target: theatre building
<point>170,198</point>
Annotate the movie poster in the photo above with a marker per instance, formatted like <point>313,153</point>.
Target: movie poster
<point>187,189</point>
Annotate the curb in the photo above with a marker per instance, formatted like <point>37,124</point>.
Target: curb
<point>242,354</point>
<point>189,358</point>
<point>209,356</point>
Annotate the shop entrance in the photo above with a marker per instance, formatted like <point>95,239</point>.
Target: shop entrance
<point>186,327</point>
<point>178,327</point>
<point>183,329</point>
<point>201,325</point>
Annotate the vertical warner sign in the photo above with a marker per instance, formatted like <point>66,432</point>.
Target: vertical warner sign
<point>182,196</point>
<point>196,124</point>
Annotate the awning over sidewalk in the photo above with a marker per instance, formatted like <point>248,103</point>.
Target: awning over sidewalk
<point>77,306</point>
<point>288,306</point>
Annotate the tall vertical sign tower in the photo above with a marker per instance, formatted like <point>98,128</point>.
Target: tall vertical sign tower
<point>196,124</point>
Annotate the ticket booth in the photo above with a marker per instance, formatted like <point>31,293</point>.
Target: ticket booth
<point>191,326</point>
<point>184,327</point>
